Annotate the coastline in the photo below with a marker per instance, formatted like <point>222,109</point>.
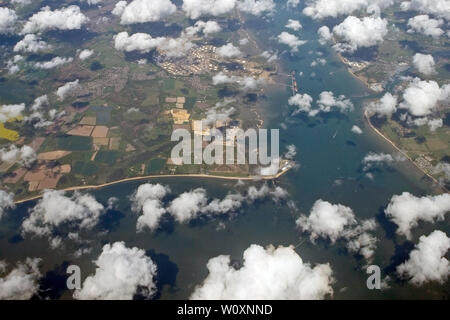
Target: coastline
<point>163,176</point>
<point>403,153</point>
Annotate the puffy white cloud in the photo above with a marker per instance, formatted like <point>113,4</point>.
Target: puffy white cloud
<point>356,130</point>
<point>357,33</point>
<point>440,8</point>
<point>208,27</point>
<point>386,106</point>
<point>271,273</point>
<point>325,35</point>
<point>69,18</point>
<point>427,261</point>
<point>422,97</point>
<point>8,19</point>
<point>10,111</point>
<point>424,63</point>
<point>372,159</point>
<point>319,9</point>
<point>291,152</point>
<point>144,42</point>
<point>256,7</point>
<point>140,11</point>
<point>197,8</point>
<point>245,83</point>
<point>303,102</point>
<point>64,91</point>
<point>22,282</point>
<point>327,100</point>
<point>55,62</point>
<point>148,199</point>
<point>121,273</point>
<point>85,54</point>
<point>187,205</point>
<point>31,43</point>
<point>444,169</point>
<point>291,40</point>
<point>294,25</point>
<point>6,202</point>
<point>335,222</point>
<point>426,25</point>
<point>25,155</point>
<point>55,209</point>
<point>406,210</point>
<point>229,51</point>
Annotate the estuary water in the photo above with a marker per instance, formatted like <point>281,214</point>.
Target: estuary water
<point>329,156</point>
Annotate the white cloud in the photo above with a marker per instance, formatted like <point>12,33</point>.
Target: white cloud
<point>424,63</point>
<point>229,51</point>
<point>357,33</point>
<point>22,282</point>
<point>291,153</point>
<point>327,101</point>
<point>55,62</point>
<point>319,9</point>
<point>31,43</point>
<point>294,25</point>
<point>427,261</point>
<point>406,210</point>
<point>271,273</point>
<point>291,40</point>
<point>120,274</point>
<point>208,27</point>
<point>69,18</point>
<point>8,19</point>
<point>335,222</point>
<point>245,83</point>
<point>85,54</point>
<point>440,8</point>
<point>187,205</point>
<point>303,102</point>
<point>292,3</point>
<point>148,199</point>
<point>356,130</point>
<point>10,111</point>
<point>444,169</point>
<point>256,7</point>
<point>6,202</point>
<point>144,42</point>
<point>386,106</point>
<point>80,211</point>
<point>426,25</point>
<point>64,91</point>
<point>197,8</point>
<point>25,155</point>
<point>325,35</point>
<point>140,11</point>
<point>422,97</point>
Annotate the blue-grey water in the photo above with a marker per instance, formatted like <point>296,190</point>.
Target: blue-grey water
<point>330,169</point>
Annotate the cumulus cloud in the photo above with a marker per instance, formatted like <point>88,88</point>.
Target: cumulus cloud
<point>294,25</point>
<point>121,274</point>
<point>421,98</point>
<point>319,9</point>
<point>325,35</point>
<point>25,155</point>
<point>229,51</point>
<point>80,211</point>
<point>336,222</point>
<point>140,11</point>
<point>144,42</point>
<point>303,103</point>
<point>427,261</point>
<point>64,91</point>
<point>374,160</point>
<point>6,202</point>
<point>85,54</point>
<point>291,152</point>
<point>271,273</point>
<point>187,205</point>
<point>425,25</point>
<point>69,18</point>
<point>386,106</point>
<point>55,62</point>
<point>424,63</point>
<point>148,199</point>
<point>356,130</point>
<point>327,101</point>
<point>245,83</point>
<point>442,168</point>
<point>291,40</point>
<point>358,33</point>
<point>208,27</point>
<point>407,210</point>
<point>31,43</point>
<point>8,19</point>
<point>440,8</point>
<point>22,282</point>
<point>11,111</point>
<point>197,8</point>
<point>256,7</point>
